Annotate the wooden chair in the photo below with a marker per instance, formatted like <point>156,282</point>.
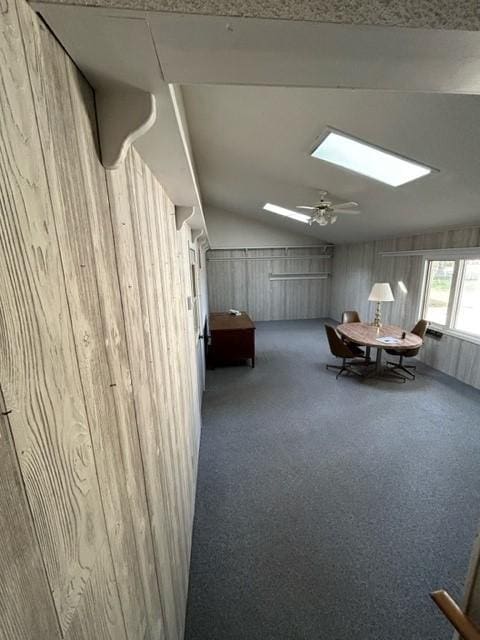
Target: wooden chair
<point>407,370</point>
<point>350,316</point>
<point>350,356</point>
<point>347,318</point>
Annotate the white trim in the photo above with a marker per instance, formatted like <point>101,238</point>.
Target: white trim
<point>421,306</point>
<point>457,284</point>
<point>123,116</point>
<point>182,215</point>
<point>453,296</point>
<point>197,220</point>
<point>198,233</point>
<point>453,301</point>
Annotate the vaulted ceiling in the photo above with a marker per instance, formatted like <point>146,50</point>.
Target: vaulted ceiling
<point>259,90</point>
<point>252,144</point>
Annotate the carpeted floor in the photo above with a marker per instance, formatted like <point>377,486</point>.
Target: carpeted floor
<point>329,509</point>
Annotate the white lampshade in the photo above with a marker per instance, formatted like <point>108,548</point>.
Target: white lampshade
<point>381,292</point>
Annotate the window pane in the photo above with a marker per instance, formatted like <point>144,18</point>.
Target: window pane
<point>468,314</point>
<point>438,292</point>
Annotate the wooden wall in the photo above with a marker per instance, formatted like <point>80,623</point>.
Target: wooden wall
<point>242,281</point>
<point>357,266</point>
<point>99,424</point>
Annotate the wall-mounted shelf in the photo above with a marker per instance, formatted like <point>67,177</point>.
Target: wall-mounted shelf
<point>231,258</point>
<point>299,276</point>
<point>323,247</point>
<point>437,253</point>
<point>287,253</point>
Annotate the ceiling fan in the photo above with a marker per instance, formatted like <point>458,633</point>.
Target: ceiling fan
<point>325,212</point>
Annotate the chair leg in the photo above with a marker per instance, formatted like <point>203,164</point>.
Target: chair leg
<point>333,366</point>
<point>350,369</point>
<point>405,368</point>
<point>339,367</point>
<point>395,371</point>
<point>340,372</point>
<point>345,367</point>
<point>336,367</point>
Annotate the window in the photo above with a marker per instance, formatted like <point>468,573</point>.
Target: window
<point>368,160</point>
<point>468,314</point>
<point>439,290</point>
<point>452,295</point>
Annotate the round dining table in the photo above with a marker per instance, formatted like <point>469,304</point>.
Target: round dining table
<point>367,335</point>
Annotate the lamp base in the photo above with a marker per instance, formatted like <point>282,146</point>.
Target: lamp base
<point>377,322</point>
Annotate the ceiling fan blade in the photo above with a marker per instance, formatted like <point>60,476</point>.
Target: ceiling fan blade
<point>345,205</point>
<point>351,212</point>
<point>301,206</point>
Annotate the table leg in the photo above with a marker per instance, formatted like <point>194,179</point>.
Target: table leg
<point>378,362</point>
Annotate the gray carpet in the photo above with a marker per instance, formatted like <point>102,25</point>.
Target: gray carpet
<point>330,509</point>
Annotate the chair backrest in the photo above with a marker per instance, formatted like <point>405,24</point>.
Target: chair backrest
<point>420,328</point>
<point>350,316</point>
<point>337,347</point>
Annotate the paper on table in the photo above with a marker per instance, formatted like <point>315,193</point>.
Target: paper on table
<point>389,340</point>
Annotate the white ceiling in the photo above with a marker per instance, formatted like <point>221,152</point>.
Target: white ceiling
<point>251,145</point>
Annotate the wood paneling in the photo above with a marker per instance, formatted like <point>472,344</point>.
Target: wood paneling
<point>357,266</point>
<point>239,283</point>
<point>38,363</point>
<point>72,186</point>
<point>148,251</point>
<point>97,367</point>
<point>23,579</point>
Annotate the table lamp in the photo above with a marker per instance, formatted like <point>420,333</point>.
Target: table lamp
<point>381,292</point>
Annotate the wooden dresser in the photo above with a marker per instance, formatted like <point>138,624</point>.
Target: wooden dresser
<point>231,338</point>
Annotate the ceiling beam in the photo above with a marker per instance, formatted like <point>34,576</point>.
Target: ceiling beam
<point>433,14</point>
<point>213,50</point>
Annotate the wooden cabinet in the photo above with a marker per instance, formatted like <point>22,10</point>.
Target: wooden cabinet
<point>232,338</point>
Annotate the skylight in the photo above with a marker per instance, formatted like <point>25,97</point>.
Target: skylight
<point>364,158</point>
<point>274,208</point>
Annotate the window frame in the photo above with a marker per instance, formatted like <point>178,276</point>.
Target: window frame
<point>455,294</point>
<point>195,291</point>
